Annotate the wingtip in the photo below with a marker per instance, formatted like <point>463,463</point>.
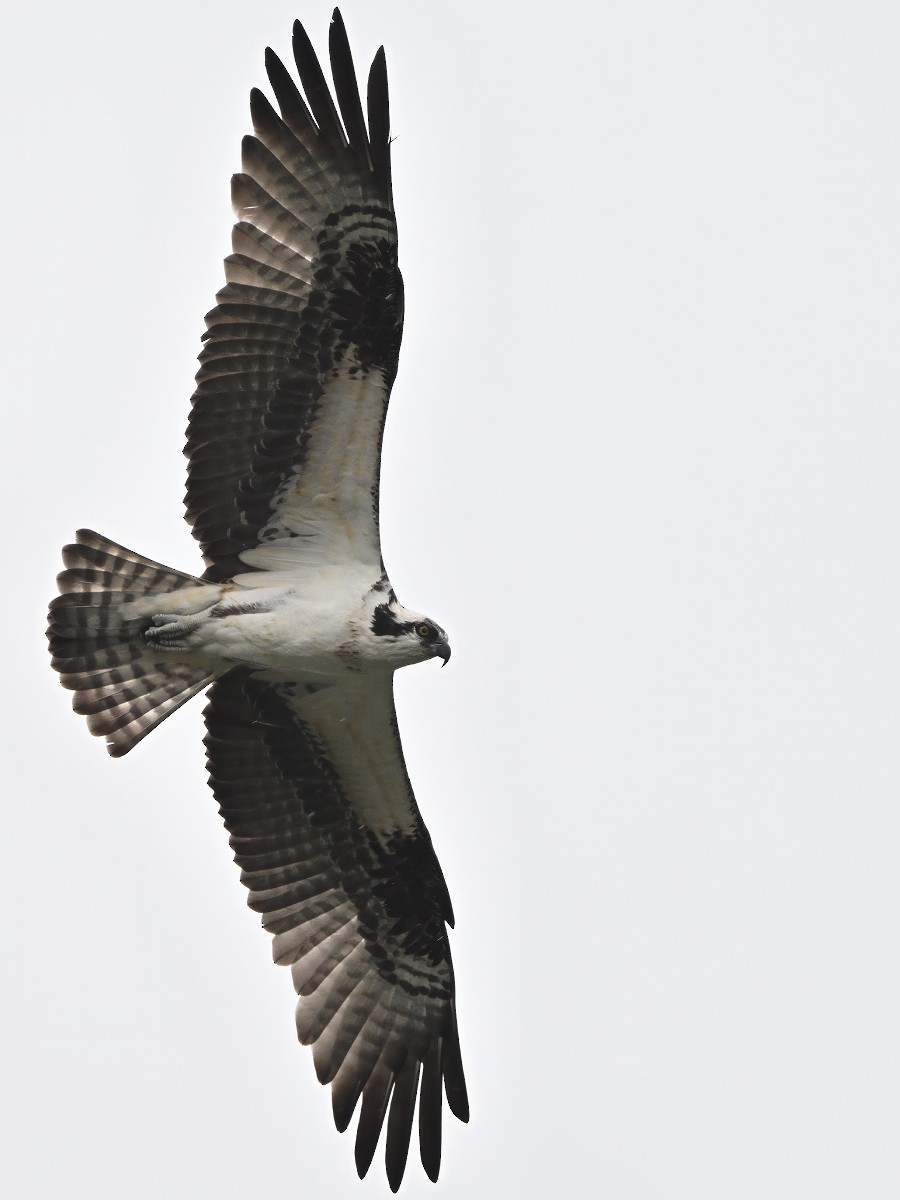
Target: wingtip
<point>344,1099</point>
<point>456,1093</point>
<point>363,1159</point>
<point>431,1171</point>
<point>302,38</point>
<point>275,69</point>
<point>454,1079</point>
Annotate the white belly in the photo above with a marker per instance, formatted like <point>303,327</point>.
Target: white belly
<point>310,628</point>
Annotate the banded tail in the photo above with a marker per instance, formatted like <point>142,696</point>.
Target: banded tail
<point>108,595</point>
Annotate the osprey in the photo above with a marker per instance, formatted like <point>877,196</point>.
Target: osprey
<point>294,626</point>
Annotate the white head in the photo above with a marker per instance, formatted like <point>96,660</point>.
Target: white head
<point>401,637</point>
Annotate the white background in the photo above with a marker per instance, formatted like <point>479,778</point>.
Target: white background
<point>642,462</point>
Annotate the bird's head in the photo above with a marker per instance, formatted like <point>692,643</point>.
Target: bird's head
<point>403,637</point>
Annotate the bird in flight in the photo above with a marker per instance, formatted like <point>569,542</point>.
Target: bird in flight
<point>293,626</point>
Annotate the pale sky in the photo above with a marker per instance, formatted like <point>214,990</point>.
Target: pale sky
<point>642,462</point>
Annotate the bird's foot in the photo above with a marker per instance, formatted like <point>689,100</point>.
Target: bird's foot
<point>169,631</point>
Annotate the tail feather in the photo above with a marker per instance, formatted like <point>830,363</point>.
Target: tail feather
<point>122,685</point>
<point>142,574</point>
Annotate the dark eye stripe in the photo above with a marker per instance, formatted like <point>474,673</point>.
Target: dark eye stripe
<point>384,623</point>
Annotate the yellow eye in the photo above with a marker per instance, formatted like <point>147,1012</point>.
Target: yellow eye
<point>424,631</point>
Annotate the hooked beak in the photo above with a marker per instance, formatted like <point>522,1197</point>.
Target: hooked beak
<point>442,650</point>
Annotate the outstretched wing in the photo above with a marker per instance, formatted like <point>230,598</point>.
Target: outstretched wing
<point>284,439</point>
<point>313,789</point>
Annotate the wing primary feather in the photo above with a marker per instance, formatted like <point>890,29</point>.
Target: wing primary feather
<point>452,1068</point>
<point>375,1097</point>
<point>378,104</point>
<point>346,87</point>
<point>266,121</point>
<point>343,1103</point>
<point>294,129</point>
<point>316,89</point>
<point>294,111</point>
<point>400,1119</point>
<point>430,1111</point>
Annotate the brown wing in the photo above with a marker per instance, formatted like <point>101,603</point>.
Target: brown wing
<point>301,350</point>
<point>332,848</point>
